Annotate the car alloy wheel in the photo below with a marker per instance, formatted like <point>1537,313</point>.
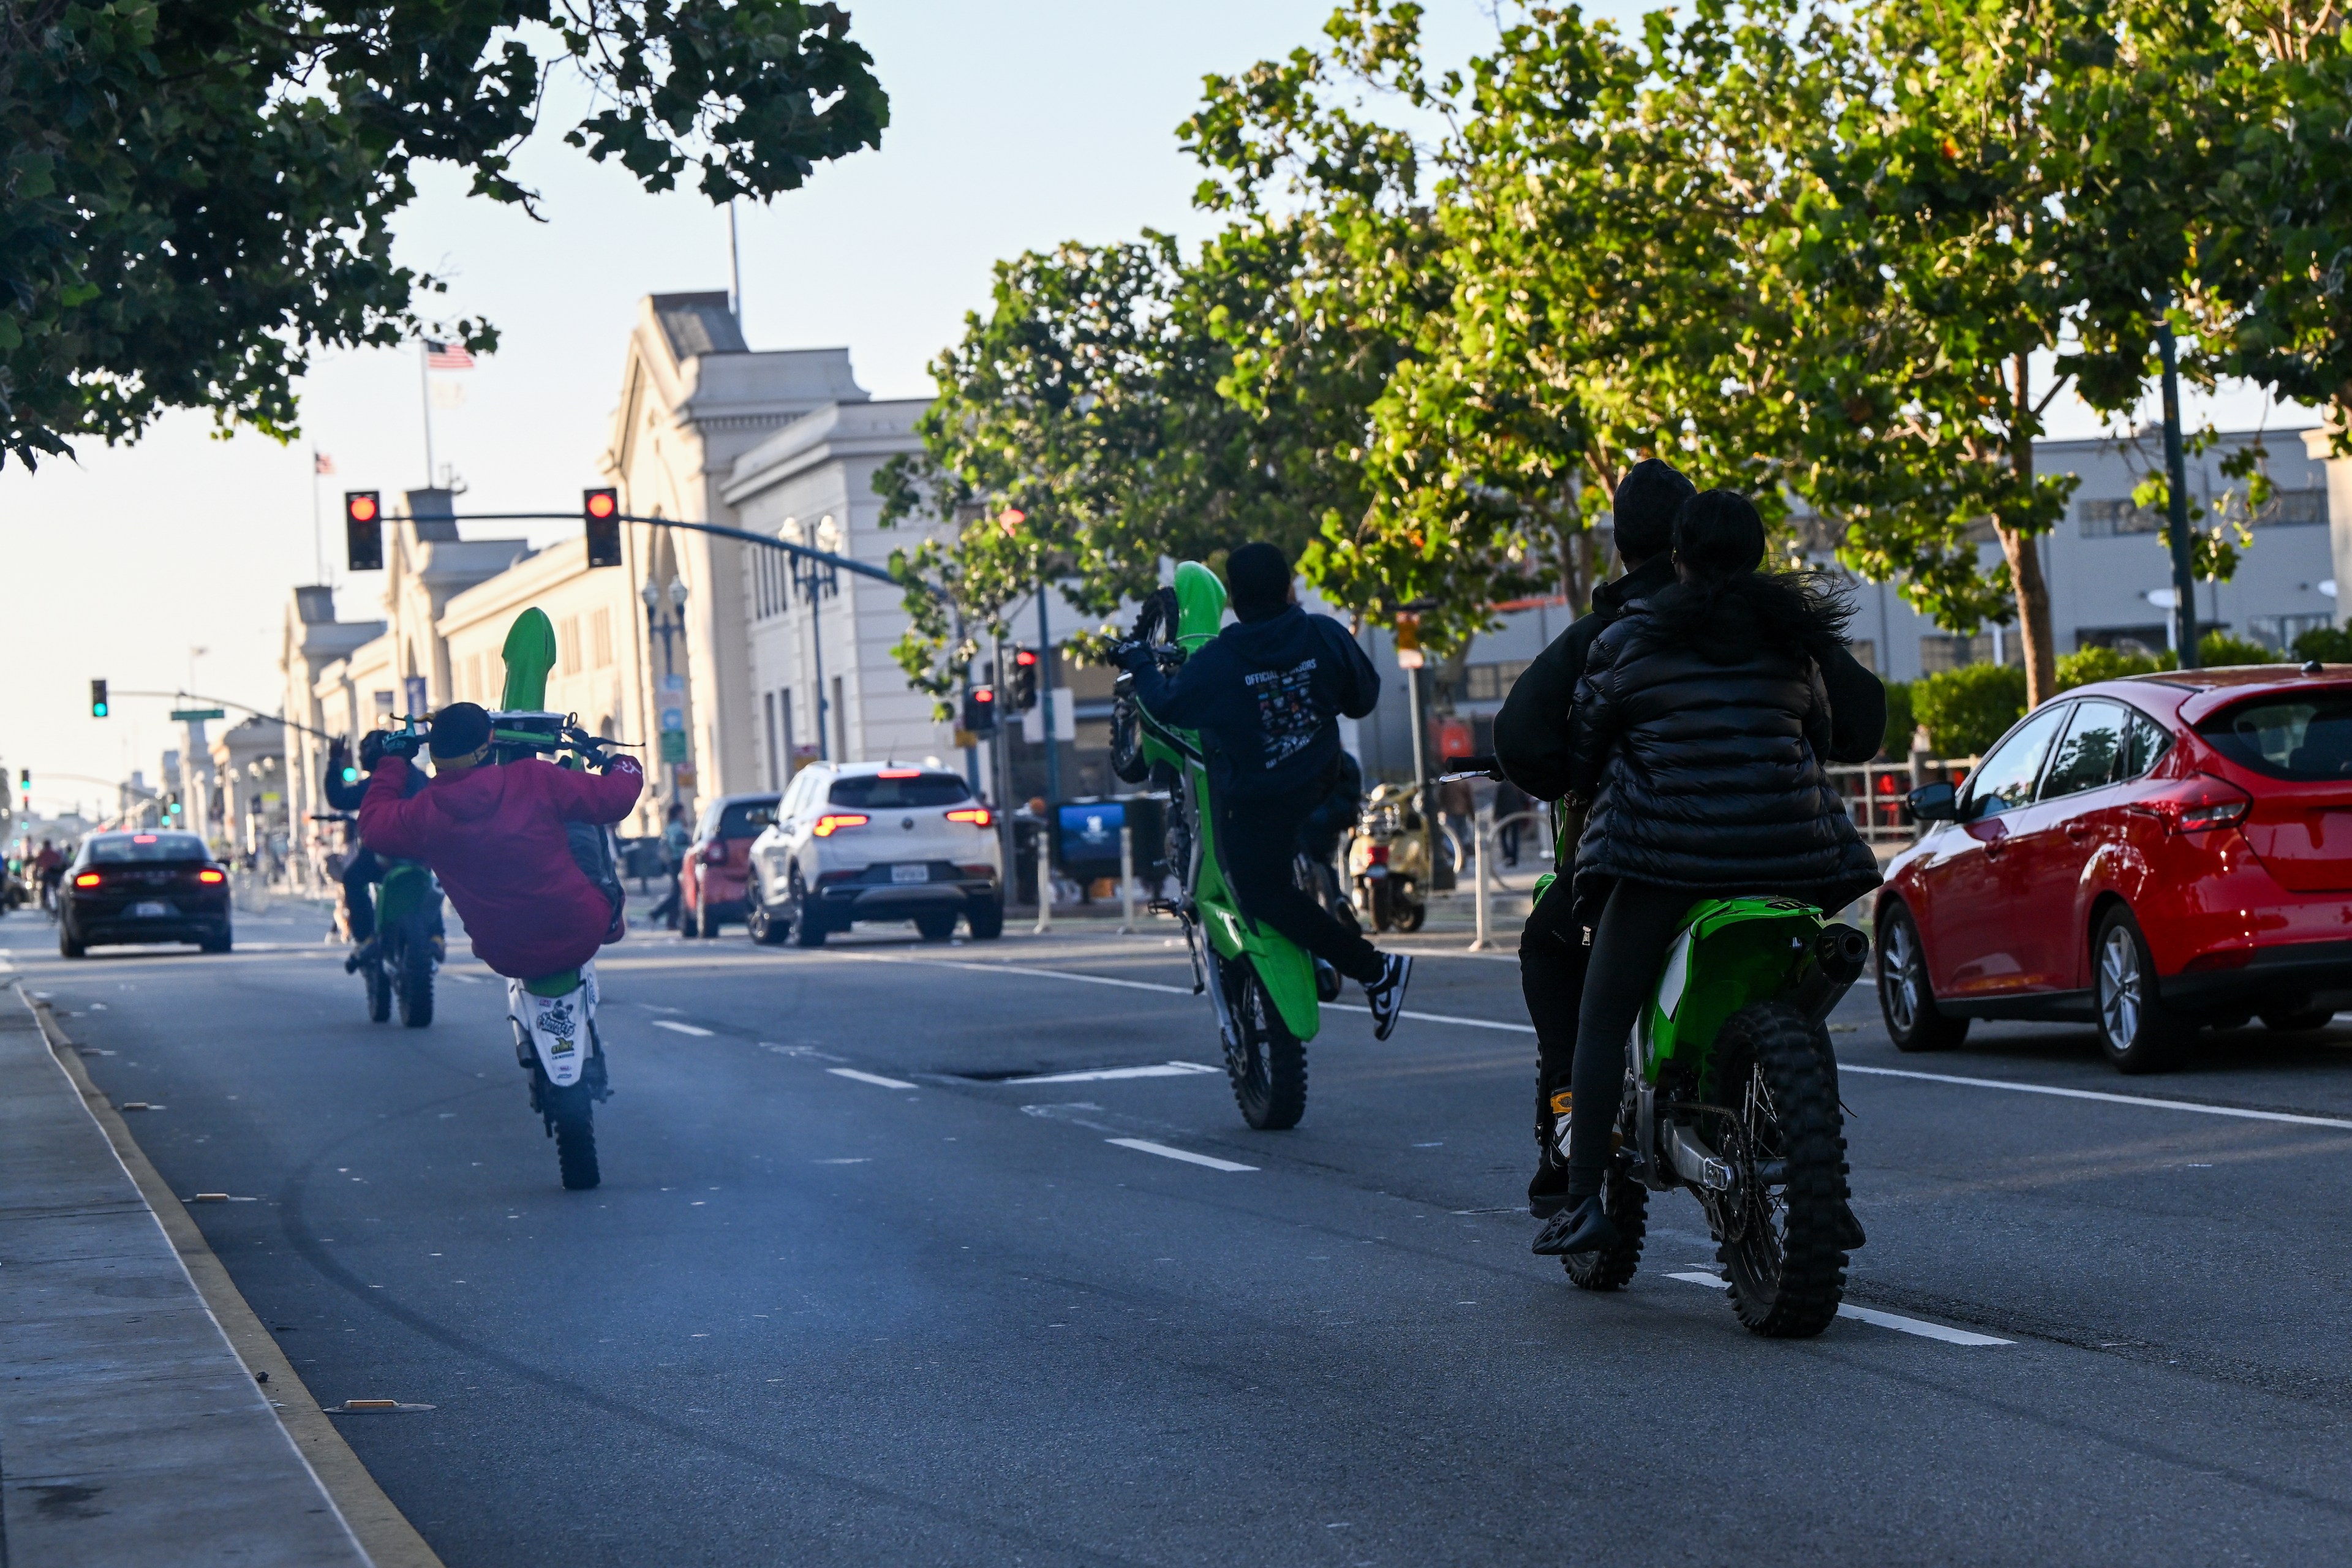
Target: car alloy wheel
<point>2138,1033</point>
<point>2119,985</point>
<point>1906,1000</point>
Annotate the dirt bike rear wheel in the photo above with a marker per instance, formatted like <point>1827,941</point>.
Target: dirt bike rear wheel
<point>1774,1069</point>
<point>379,990</point>
<point>571,1114</point>
<point>415,984</point>
<point>1268,1066</point>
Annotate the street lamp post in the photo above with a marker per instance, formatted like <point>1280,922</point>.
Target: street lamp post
<point>2176,485</point>
<point>813,580</point>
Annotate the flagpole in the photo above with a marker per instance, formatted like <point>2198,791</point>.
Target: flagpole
<point>424,385</point>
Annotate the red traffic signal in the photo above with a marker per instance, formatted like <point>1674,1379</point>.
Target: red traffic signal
<point>364,530</point>
<point>1022,693</point>
<point>600,511</point>
<point>980,711</point>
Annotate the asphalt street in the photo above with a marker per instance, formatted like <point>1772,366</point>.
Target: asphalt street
<point>900,1259</point>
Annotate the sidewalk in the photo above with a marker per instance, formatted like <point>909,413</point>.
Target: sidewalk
<point>130,1434</point>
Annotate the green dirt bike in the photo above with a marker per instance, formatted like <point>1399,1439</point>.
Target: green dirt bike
<point>554,1015</point>
<point>1265,988</point>
<point>398,965</point>
<point>1731,1093</point>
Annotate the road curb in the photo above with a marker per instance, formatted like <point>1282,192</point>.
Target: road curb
<point>384,1533</point>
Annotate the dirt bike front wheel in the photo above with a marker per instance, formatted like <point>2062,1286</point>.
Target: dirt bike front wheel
<point>1786,1141</point>
<point>1267,1065</point>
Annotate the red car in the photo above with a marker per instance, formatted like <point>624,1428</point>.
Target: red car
<point>718,864</point>
<point>2152,855</point>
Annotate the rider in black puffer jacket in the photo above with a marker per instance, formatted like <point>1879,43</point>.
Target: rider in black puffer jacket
<point>1698,735</point>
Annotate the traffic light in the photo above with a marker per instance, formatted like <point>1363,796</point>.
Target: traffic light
<point>364,529</point>
<point>25,783</point>
<point>98,708</point>
<point>600,510</point>
<point>1023,695</point>
<point>980,711</point>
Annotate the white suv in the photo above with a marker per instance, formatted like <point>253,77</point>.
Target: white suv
<point>876,841</point>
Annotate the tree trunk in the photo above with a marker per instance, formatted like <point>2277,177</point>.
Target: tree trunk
<point>2024,553</point>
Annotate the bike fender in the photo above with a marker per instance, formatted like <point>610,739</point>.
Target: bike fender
<point>1289,976</point>
<point>1728,953</point>
<point>558,1027</point>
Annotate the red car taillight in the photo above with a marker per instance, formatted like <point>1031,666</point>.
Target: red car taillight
<point>977,816</point>
<point>1377,855</point>
<point>2198,802</point>
<point>832,822</point>
<point>211,875</point>
<point>87,880</point>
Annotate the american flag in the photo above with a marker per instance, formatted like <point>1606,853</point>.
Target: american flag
<point>440,355</point>
<point>320,463</point>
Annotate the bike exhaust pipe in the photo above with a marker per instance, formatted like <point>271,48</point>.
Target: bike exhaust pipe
<point>1836,961</point>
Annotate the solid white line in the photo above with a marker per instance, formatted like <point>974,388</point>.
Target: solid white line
<point>1900,1324</point>
<point>1104,1075</point>
<point>876,1079</point>
<point>681,1028</point>
<point>1145,1146</point>
<point>1440,1018</point>
<point>2190,1105</point>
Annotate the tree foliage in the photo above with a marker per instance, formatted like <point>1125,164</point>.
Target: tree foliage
<point>197,195</point>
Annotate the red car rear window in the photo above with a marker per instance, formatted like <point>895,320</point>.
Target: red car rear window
<point>2299,736</point>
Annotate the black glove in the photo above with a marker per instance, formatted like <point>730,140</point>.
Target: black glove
<point>1131,655</point>
<point>402,744</point>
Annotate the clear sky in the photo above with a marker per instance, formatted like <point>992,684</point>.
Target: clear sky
<point>1011,130</point>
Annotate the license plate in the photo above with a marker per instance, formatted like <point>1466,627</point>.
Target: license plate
<point>149,908</point>
<point>910,873</point>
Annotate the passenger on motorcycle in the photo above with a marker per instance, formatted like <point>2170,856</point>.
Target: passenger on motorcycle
<point>1532,744</point>
<point>1698,734</point>
<point>1266,693</point>
<point>364,868</point>
<point>496,839</point>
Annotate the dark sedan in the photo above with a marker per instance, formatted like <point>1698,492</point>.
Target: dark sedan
<point>141,888</point>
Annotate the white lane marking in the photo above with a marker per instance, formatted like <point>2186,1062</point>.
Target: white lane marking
<point>674,1026</point>
<point>876,1079</point>
<point>1104,1075</point>
<point>1900,1324</point>
<point>1165,990</point>
<point>1145,1146</point>
<point>2190,1105</point>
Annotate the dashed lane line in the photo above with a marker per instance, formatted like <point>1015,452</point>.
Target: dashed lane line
<point>876,1079</point>
<point>1895,1320</point>
<point>1145,1146</point>
<point>676,1027</point>
<point>1105,1075</point>
<point>2196,1107</point>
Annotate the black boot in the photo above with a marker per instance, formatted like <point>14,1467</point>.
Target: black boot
<point>1586,1227</point>
<point>360,955</point>
<point>1548,1188</point>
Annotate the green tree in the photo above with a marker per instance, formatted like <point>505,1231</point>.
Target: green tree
<point>196,196</point>
<point>1967,709</point>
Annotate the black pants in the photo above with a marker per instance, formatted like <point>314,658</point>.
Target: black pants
<point>1552,977</point>
<point>1629,944</point>
<point>1259,838</point>
<point>359,897</point>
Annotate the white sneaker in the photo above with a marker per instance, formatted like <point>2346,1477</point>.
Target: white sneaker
<point>1386,994</point>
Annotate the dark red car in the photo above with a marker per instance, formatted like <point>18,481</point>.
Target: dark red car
<point>711,884</point>
<point>2151,855</point>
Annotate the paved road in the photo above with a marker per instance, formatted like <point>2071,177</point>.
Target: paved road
<point>812,1318</point>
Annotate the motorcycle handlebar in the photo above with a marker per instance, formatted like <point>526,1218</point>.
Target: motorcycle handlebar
<point>1476,767</point>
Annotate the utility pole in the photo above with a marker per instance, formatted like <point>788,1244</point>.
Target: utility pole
<point>1045,702</point>
<point>2176,485</point>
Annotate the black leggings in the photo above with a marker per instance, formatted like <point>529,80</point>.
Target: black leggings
<point>1259,837</point>
<point>1629,944</point>
<point>1552,977</point>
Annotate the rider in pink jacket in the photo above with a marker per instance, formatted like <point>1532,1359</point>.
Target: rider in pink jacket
<point>495,836</point>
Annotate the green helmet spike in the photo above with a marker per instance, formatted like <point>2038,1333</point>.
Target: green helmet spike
<point>529,653</point>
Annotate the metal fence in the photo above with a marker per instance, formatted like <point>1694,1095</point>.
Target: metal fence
<point>1875,792</point>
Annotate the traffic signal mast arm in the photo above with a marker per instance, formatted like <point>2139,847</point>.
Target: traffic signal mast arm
<point>240,706</point>
<point>823,557</point>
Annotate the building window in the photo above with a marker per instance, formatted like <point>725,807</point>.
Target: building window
<point>1485,682</point>
<point>840,724</point>
<point>2103,519</point>
<point>1941,653</point>
<point>2292,508</point>
<point>2277,633</point>
<point>1866,653</point>
<point>567,645</point>
<point>775,777</point>
<point>600,638</point>
<point>2145,641</point>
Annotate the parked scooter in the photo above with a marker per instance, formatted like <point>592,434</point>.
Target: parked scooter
<point>1388,861</point>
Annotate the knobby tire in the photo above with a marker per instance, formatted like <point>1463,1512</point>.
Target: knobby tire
<point>1786,1271</point>
<point>1268,1066</point>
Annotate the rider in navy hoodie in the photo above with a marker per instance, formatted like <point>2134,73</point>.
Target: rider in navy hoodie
<point>1266,694</point>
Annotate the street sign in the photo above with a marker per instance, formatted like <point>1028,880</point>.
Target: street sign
<point>673,745</point>
<point>180,714</point>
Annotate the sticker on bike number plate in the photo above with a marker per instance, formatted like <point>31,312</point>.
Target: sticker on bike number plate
<point>910,873</point>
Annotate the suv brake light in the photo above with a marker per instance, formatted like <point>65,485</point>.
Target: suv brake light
<point>832,822</point>
<point>900,774</point>
<point>2200,801</point>
<point>977,816</point>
